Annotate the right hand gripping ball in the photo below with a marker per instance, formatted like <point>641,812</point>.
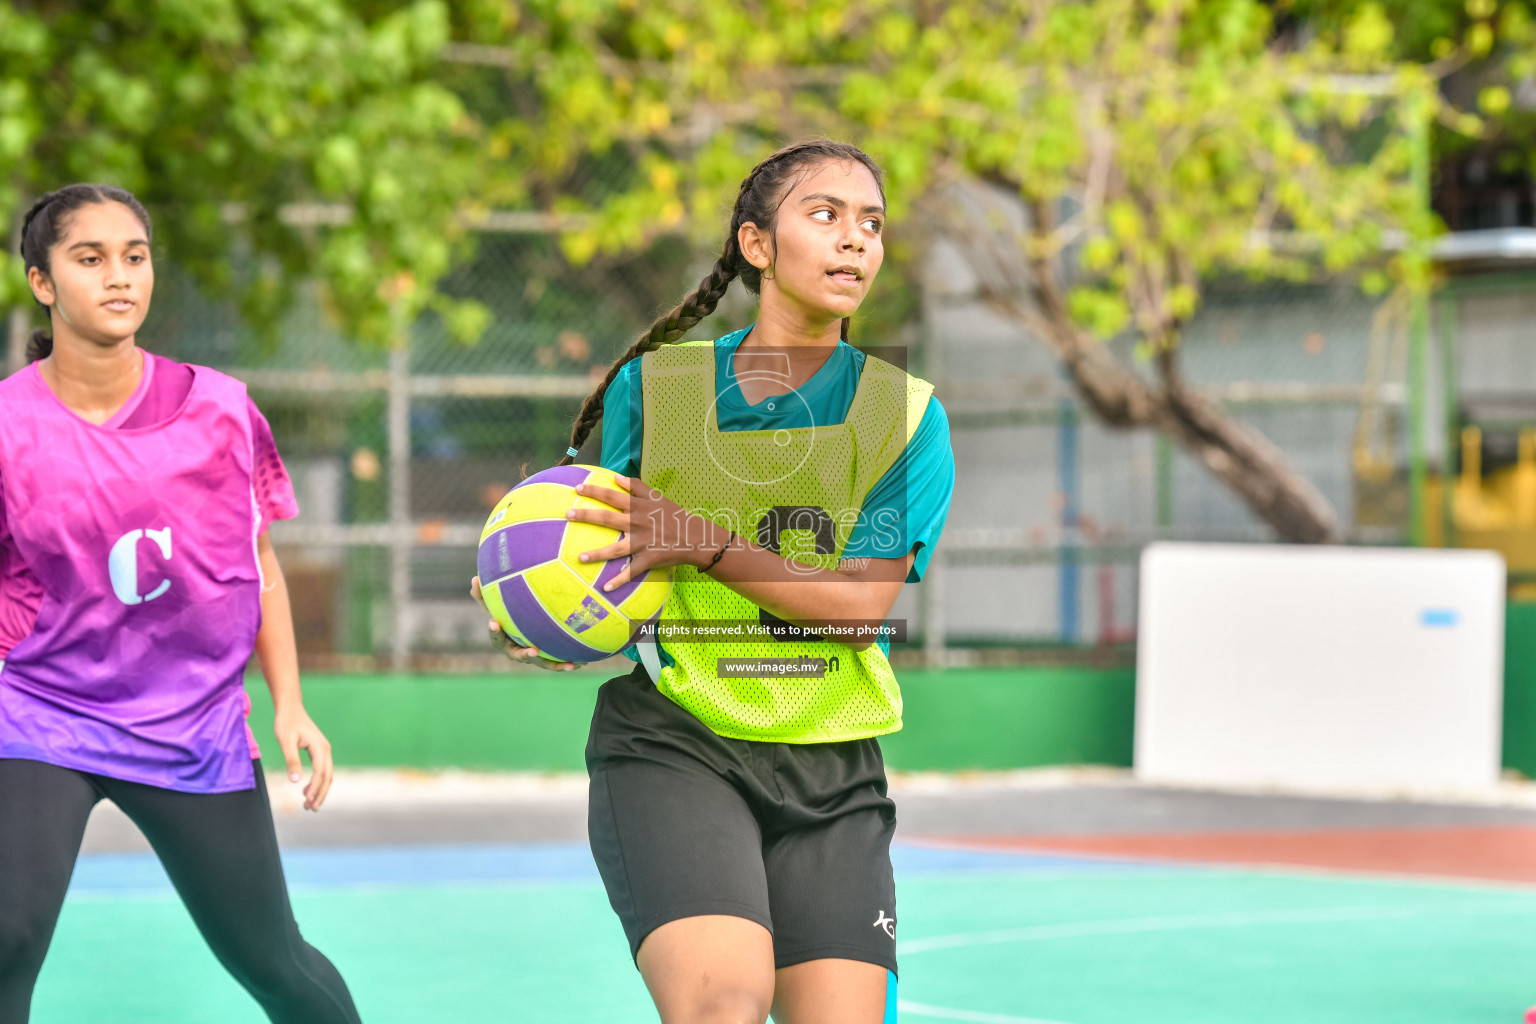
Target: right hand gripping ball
<point>538,591</point>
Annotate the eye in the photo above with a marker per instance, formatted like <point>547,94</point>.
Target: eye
<point>873,224</point>
<point>90,260</point>
<point>823,215</point>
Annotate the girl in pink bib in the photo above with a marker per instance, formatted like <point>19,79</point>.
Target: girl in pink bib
<point>136,581</point>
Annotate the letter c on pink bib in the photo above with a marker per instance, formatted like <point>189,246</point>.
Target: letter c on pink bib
<point>123,565</point>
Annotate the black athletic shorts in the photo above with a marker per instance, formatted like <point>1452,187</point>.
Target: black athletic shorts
<point>684,822</point>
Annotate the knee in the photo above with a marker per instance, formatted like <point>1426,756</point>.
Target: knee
<point>710,969</point>
<point>270,974</point>
<point>723,1004</point>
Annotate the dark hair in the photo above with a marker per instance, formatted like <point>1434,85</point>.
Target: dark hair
<point>46,221</point>
<point>757,202</point>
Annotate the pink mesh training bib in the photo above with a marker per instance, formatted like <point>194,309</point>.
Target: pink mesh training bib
<point>143,542</point>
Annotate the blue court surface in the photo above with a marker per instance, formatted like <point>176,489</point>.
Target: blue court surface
<point>523,932</point>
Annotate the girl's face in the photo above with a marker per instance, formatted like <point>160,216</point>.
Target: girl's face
<point>100,275</point>
<point>826,247</point>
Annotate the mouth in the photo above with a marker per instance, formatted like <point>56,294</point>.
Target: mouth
<point>846,275</point>
<point>118,306</point>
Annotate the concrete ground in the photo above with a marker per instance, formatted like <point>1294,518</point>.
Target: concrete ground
<point>380,807</point>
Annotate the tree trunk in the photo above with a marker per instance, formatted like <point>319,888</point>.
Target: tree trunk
<point>1022,284</point>
<point>1251,465</point>
<point>1243,460</point>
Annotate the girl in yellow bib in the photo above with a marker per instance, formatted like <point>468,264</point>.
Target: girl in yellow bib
<point>738,811</point>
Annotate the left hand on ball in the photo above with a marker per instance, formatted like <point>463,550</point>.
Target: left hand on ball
<point>655,528</point>
<point>513,650</point>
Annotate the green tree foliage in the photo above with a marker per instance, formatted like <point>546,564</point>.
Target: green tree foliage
<point>1482,50</point>
<point>1101,161</point>
<point>274,140</point>
<point>1150,146</point>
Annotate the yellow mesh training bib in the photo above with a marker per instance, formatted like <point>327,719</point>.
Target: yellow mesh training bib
<point>795,491</point>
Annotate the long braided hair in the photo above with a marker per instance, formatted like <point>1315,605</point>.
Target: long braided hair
<point>46,222</point>
<point>757,202</point>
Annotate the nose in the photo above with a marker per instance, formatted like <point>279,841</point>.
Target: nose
<point>117,274</point>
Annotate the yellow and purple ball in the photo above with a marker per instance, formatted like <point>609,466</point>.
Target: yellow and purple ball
<point>537,588</point>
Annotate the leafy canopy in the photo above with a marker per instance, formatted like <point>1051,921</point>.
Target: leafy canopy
<point>1176,140</point>
<point>307,137</point>
<point>1173,140</point>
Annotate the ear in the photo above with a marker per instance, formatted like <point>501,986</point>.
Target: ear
<point>755,245</point>
<point>42,286</point>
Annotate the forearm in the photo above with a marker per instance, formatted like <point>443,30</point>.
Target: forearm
<point>656,531</point>
<point>276,651</point>
<point>858,593</point>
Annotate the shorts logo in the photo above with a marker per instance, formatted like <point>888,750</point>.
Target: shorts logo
<point>123,565</point>
<point>886,924</point>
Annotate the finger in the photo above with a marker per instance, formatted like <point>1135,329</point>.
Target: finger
<point>607,495</point>
<point>474,588</point>
<point>319,765</point>
<point>520,654</point>
<point>601,516</point>
<point>509,646</point>
<point>622,578</point>
<point>322,771</point>
<point>531,656</point>
<point>289,742</point>
<point>499,639</point>
<point>620,548</point>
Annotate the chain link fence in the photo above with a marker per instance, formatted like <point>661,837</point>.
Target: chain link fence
<point>397,456</point>
<point>1052,509</point>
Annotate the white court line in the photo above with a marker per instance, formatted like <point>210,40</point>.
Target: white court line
<point>1187,922</point>
<point>945,1013</point>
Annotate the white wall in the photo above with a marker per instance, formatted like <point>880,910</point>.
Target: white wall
<point>1320,669</point>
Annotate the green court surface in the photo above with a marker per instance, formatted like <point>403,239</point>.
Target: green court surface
<point>522,932</point>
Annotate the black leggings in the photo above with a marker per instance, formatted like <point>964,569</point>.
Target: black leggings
<point>220,851</point>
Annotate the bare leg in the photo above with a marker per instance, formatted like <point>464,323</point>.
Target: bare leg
<point>711,969</point>
<point>830,992</point>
